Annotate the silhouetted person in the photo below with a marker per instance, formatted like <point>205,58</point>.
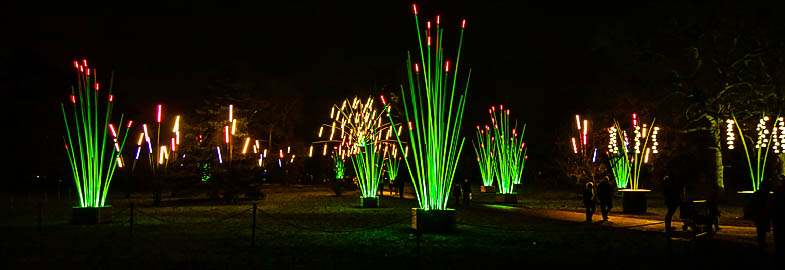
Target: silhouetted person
<point>714,211</point>
<point>456,193</point>
<point>467,191</point>
<point>605,196</point>
<point>778,216</point>
<point>589,200</point>
<point>672,193</point>
<point>761,211</point>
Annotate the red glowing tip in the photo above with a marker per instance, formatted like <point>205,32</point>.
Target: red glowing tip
<point>416,67</point>
<point>437,19</point>
<point>130,122</point>
<point>478,127</point>
<point>76,64</point>
<point>111,97</point>
<point>84,61</point>
<point>88,72</point>
<point>159,113</point>
<point>447,66</point>
<point>383,101</point>
<point>508,111</point>
<point>96,86</point>
<point>501,107</point>
<point>415,8</point>
<point>66,147</point>
<point>429,40</point>
<point>410,125</point>
<point>463,24</point>
<point>429,24</point>
<point>73,99</point>
<point>81,68</point>
<point>111,127</point>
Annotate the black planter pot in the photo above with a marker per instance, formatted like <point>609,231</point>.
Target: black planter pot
<point>507,198</point>
<point>370,202</point>
<point>91,215</point>
<point>433,221</point>
<point>634,201</point>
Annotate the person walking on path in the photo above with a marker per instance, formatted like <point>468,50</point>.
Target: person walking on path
<point>672,190</point>
<point>778,216</point>
<point>605,196</point>
<point>467,191</point>
<point>761,211</point>
<point>589,200</point>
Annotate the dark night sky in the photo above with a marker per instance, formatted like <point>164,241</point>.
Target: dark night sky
<point>538,59</point>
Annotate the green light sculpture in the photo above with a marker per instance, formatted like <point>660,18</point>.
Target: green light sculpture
<point>339,166</point>
<point>763,144</point>
<point>485,155</point>
<point>510,149</point>
<point>360,131</point>
<point>92,160</point>
<point>393,164</point>
<point>434,118</point>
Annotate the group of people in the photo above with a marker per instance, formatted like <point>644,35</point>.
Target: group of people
<point>602,194</point>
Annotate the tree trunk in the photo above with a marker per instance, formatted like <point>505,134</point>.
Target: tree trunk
<point>716,135</point>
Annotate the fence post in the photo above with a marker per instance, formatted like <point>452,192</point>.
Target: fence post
<point>253,227</point>
<point>131,221</point>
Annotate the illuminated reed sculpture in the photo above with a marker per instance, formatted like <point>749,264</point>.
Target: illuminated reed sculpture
<point>509,152</point>
<point>93,161</point>
<point>362,136</point>
<point>637,154</point>
<point>763,143</point>
<point>434,120</point>
<point>484,150</point>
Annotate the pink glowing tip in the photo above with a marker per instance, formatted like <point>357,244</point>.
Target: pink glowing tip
<point>88,72</point>
<point>414,6</point>
<point>486,127</point>
<point>463,24</point>
<point>493,108</point>
<point>416,67</point>
<point>81,68</point>
<point>383,101</point>
<point>429,24</point>
<point>158,118</point>
<point>410,125</point>
<point>429,40</point>
<point>437,19</point>
<point>111,97</point>
<point>447,66</point>
<point>96,86</point>
<point>130,122</point>
<point>501,107</point>
<point>634,115</point>
<point>73,99</point>
<point>478,127</point>
<point>111,127</point>
<point>508,111</point>
<point>84,61</point>
<point>76,64</point>
<point>525,157</point>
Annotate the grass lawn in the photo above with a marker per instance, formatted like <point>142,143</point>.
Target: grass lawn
<point>306,227</point>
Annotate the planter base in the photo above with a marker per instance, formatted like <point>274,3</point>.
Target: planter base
<point>634,201</point>
<point>507,198</point>
<point>488,189</point>
<point>91,215</point>
<point>433,221</point>
<point>370,202</point>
